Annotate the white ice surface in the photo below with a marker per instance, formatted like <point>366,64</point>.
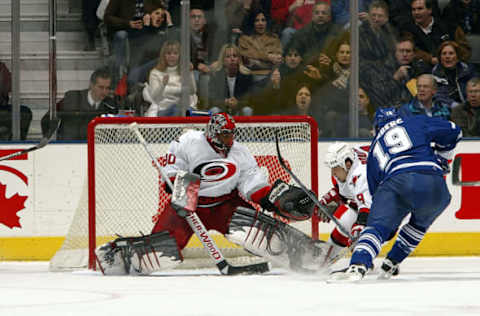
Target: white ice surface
<point>426,286</point>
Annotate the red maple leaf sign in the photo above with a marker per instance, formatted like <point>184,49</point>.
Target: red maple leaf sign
<point>10,207</point>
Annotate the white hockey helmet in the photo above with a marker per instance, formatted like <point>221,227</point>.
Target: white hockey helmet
<point>337,154</point>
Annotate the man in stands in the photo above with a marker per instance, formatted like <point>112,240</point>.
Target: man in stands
<point>79,107</point>
<point>406,164</point>
<point>228,172</point>
<point>424,102</point>
<point>467,115</point>
<point>429,32</point>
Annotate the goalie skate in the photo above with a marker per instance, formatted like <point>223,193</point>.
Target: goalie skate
<point>138,255</point>
<point>275,241</point>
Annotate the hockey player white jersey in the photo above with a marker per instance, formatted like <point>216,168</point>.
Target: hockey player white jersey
<point>355,187</point>
<point>219,176</point>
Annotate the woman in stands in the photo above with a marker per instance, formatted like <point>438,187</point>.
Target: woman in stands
<point>164,87</point>
<point>452,74</point>
<point>260,49</point>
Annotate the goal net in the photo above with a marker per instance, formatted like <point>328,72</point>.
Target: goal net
<point>124,190</point>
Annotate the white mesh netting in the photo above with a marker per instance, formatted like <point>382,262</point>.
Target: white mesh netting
<point>127,190</point>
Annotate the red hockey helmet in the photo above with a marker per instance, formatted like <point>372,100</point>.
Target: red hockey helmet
<point>220,132</point>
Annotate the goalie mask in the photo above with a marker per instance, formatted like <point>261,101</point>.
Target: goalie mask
<point>221,132</point>
<point>337,155</point>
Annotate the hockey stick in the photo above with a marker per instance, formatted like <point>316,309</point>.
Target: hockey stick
<point>322,208</point>
<point>197,226</point>
<point>54,124</point>
<point>457,163</point>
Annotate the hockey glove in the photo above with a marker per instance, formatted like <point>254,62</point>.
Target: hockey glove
<point>443,162</point>
<point>331,197</point>
<point>359,225</point>
<point>288,201</point>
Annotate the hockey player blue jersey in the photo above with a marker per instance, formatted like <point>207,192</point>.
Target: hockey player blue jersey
<point>404,144</point>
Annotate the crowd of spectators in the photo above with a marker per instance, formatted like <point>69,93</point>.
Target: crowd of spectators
<point>267,57</point>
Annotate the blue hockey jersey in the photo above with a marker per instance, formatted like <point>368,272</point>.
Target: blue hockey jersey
<point>405,144</point>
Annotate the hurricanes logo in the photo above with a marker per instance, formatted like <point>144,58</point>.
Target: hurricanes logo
<point>214,171</point>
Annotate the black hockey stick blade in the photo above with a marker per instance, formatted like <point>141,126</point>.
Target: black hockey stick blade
<point>254,268</point>
<point>315,200</point>
<point>457,163</point>
<point>54,124</point>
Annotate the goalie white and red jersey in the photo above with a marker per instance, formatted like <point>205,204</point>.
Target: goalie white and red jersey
<point>222,180</point>
<point>354,191</point>
<point>219,176</point>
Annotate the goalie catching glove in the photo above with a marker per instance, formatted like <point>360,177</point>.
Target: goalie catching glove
<point>288,201</point>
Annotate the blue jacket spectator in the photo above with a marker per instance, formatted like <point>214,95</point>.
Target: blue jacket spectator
<point>424,102</point>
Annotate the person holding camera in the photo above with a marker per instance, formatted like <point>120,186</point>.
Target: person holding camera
<point>125,19</point>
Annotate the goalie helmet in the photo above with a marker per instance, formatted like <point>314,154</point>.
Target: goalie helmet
<point>337,155</point>
<point>220,126</point>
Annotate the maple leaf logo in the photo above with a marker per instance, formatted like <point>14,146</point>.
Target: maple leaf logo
<point>10,207</point>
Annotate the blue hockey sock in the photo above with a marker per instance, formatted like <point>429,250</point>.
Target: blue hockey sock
<point>368,246</point>
<point>408,239</point>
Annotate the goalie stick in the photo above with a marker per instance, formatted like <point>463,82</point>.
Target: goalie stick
<point>322,208</point>
<point>197,226</point>
<point>54,124</point>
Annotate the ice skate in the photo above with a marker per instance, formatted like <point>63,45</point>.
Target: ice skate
<point>353,273</point>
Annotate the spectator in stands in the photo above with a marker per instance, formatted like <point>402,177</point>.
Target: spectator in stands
<point>294,16</point>
<point>394,84</point>
<point>401,11</point>
<point>424,103</point>
<point>237,11</point>
<point>90,21</point>
<point>260,49</point>
<point>5,84</point>
<point>175,8</point>
<point>334,91</point>
<point>452,74</point>
<point>144,55</point>
<point>164,88</point>
<point>463,13</point>
<point>467,115</point>
<point>205,43</point>
<point>6,108</point>
<point>341,11</point>
<point>303,101</point>
<point>124,19</point>
<point>79,107</point>
<point>279,89</point>
<point>377,43</point>
<point>230,83</point>
<point>319,36</point>
<point>365,114</point>
<point>428,33</point>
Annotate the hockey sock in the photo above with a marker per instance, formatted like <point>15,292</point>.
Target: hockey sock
<point>368,246</point>
<point>408,239</point>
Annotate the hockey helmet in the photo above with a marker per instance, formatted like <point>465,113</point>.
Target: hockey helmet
<point>220,124</point>
<point>383,116</point>
<point>337,154</point>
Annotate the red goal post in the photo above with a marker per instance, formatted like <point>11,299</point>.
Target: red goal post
<point>125,191</point>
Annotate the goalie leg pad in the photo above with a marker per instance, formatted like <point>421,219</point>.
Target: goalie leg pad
<point>139,255</point>
<point>155,252</point>
<point>276,241</point>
